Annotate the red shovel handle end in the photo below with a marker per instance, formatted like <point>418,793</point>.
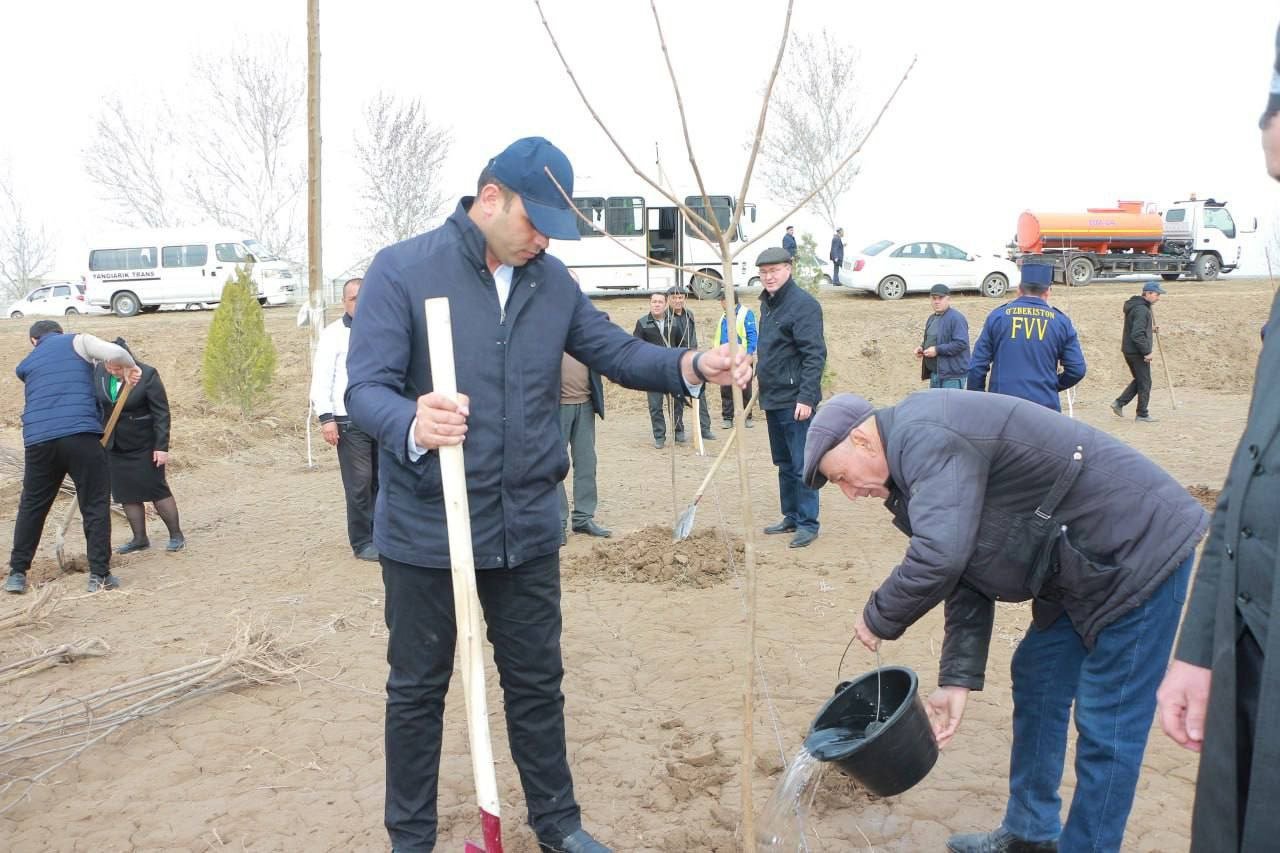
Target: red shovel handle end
<point>491,826</point>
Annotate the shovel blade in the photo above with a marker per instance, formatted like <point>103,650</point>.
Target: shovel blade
<point>491,826</point>
<point>684,524</point>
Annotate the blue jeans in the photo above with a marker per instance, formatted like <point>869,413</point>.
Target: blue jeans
<point>1113,686</point>
<point>936,381</point>
<point>786,444</point>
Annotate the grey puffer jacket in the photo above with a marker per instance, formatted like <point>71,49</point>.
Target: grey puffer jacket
<point>965,467</point>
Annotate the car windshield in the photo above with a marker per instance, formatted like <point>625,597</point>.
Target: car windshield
<point>877,247</point>
<point>259,251</point>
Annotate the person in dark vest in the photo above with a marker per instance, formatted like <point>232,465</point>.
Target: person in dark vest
<point>137,453</point>
<point>1137,343</point>
<point>61,435</point>
<point>1005,501</point>
<point>1221,695</point>
<point>1023,342</point>
<point>944,350</point>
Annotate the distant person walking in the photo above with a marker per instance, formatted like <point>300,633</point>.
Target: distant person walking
<point>357,450</point>
<point>837,255</point>
<point>746,333</point>
<point>61,435</point>
<point>789,241</point>
<point>138,452</point>
<point>1023,342</point>
<point>944,351</point>
<point>1137,343</point>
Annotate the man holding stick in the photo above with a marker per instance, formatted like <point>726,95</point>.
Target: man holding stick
<point>1137,342</point>
<point>516,311</point>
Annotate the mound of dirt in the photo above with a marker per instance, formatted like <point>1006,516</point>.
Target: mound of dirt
<point>1207,496</point>
<point>648,555</point>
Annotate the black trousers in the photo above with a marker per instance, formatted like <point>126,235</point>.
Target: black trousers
<point>1249,663</point>
<point>726,400</point>
<point>1140,387</point>
<point>44,466</point>
<point>358,461</point>
<point>522,615</point>
<point>704,414</point>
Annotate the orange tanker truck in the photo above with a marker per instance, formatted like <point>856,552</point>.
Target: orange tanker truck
<point>1195,238</point>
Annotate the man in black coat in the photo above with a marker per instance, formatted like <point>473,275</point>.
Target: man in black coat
<point>684,333</point>
<point>655,328</point>
<point>792,353</point>
<point>1137,342</point>
<point>1004,500</point>
<point>836,256</point>
<point>1221,696</point>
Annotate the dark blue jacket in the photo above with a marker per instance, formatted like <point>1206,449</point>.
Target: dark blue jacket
<point>789,244</point>
<point>952,332</point>
<point>58,387</point>
<point>791,347</point>
<point>837,249</point>
<point>1021,345</point>
<point>508,365</point>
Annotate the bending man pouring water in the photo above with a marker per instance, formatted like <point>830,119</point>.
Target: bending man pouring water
<point>1004,500</point>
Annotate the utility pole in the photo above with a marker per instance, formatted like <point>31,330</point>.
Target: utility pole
<point>315,271</point>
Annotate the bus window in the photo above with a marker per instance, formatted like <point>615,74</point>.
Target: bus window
<point>721,205</point>
<point>230,253</point>
<point>194,255</point>
<point>624,216</point>
<point>143,258</point>
<point>592,209</point>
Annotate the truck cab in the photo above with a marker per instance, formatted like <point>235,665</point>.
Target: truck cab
<point>1205,232</point>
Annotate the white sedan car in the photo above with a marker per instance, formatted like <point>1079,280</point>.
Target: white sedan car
<point>893,269</point>
<point>56,299</point>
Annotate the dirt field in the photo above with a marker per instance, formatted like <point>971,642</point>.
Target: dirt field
<point>653,646</point>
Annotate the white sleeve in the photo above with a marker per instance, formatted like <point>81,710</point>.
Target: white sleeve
<point>322,374</point>
<point>93,349</point>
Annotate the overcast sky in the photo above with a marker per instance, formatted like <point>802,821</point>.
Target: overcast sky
<point>1012,105</point>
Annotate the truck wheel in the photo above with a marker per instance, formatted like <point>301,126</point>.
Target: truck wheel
<point>705,284</point>
<point>125,304</point>
<point>994,285</point>
<point>1207,267</point>
<point>1079,272</point>
<point>891,287</point>
<point>1170,276</point>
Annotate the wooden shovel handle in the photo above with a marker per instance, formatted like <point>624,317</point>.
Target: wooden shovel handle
<point>115,413</point>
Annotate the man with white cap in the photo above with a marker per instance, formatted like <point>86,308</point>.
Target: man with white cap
<point>1006,501</point>
<point>515,312</point>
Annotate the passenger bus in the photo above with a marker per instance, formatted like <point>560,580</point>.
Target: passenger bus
<point>652,228</point>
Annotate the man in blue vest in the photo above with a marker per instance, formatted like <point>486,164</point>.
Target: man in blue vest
<point>61,434</point>
<point>1023,342</point>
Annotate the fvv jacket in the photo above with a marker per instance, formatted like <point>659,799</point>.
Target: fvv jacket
<point>507,360</point>
<point>791,348</point>
<point>967,469</point>
<point>1021,344</point>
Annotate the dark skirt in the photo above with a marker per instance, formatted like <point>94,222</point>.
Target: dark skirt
<point>135,477</point>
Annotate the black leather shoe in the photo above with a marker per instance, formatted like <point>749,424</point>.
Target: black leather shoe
<point>592,529</point>
<point>802,538</point>
<point>706,436</point>
<point>783,526</point>
<point>997,841</point>
<point>134,545</point>
<point>575,842</point>
<point>681,438</point>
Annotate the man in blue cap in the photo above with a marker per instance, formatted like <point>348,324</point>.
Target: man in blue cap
<point>1138,342</point>
<point>1023,342</point>
<point>515,312</point>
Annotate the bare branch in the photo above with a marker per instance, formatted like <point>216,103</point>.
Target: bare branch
<point>684,122</point>
<point>401,155</point>
<point>684,208</point>
<point>856,150</point>
<point>130,160</point>
<point>26,250</point>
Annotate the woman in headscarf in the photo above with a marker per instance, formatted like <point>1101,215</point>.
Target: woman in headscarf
<point>138,451</point>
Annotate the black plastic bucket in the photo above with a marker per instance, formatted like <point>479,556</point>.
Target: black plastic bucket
<point>898,752</point>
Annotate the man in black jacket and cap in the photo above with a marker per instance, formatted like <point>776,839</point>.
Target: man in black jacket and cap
<point>1004,500</point>
<point>1137,342</point>
<point>792,353</point>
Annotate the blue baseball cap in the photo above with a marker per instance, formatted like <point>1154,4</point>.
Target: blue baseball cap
<point>1153,286</point>
<point>1040,274</point>
<point>522,167</point>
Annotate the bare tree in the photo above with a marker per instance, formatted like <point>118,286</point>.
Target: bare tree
<point>249,161</point>
<point>26,251</point>
<point>131,159</point>
<point>400,154</point>
<point>814,122</point>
